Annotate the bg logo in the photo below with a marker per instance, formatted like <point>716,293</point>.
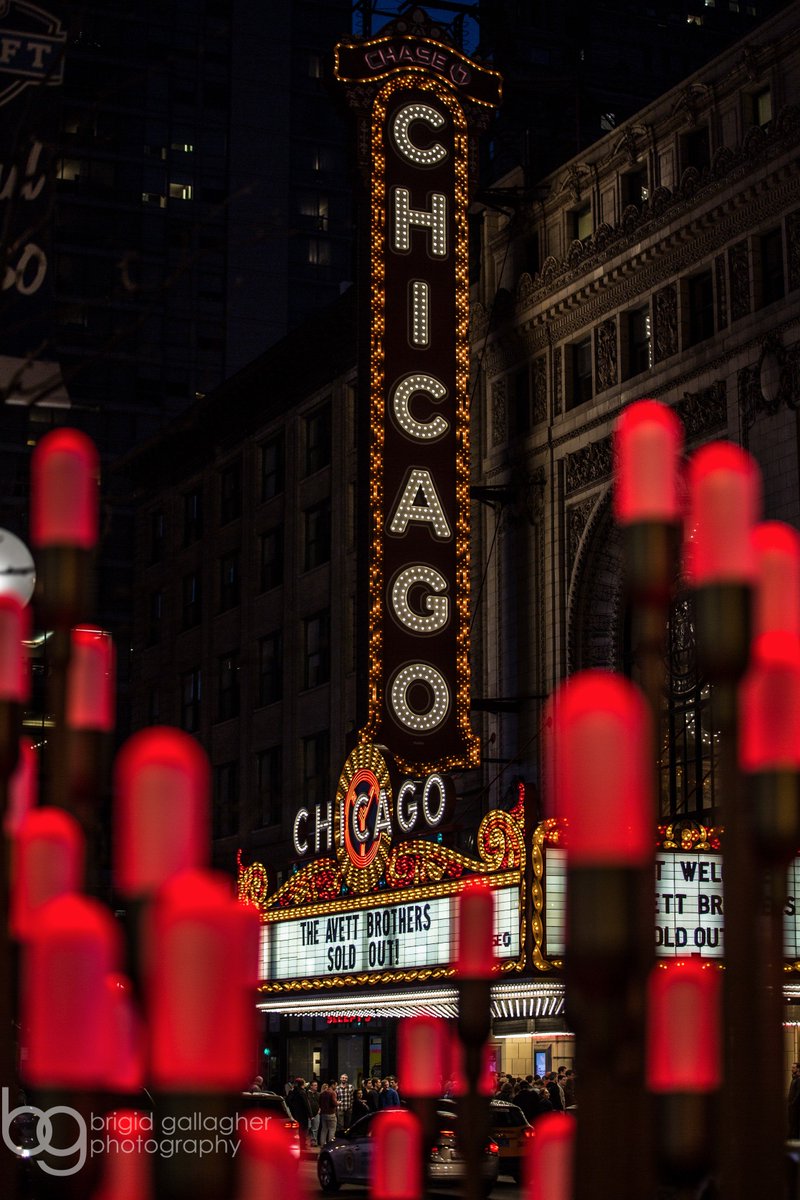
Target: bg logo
<point>18,1133</point>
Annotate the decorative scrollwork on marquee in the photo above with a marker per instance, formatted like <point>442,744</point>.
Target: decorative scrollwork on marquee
<point>500,845</point>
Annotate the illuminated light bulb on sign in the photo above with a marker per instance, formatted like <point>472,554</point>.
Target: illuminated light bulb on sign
<point>402,392</point>
<point>436,712</point>
<point>648,442</point>
<point>437,604</point>
<point>404,117</point>
<point>65,471</point>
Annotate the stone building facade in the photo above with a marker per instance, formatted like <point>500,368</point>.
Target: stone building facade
<point>665,263</point>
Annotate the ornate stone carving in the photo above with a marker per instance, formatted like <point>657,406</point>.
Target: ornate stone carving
<point>558,373</point>
<point>605,346</point>
<point>772,382</point>
<point>588,465</point>
<point>793,247</point>
<point>704,411</point>
<point>665,313</point>
<point>721,290</point>
<point>577,520</point>
<point>539,384</point>
<point>499,412</point>
<point>739,266</point>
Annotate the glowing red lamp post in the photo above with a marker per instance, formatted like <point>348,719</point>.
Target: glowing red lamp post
<point>89,723</point>
<point>724,507</point>
<point>161,819</point>
<point>65,471</point>
<point>397,1157</point>
<point>602,750</point>
<point>67,1027</point>
<point>267,1166</point>
<point>201,966</point>
<point>475,966</point>
<point>127,1162</point>
<point>423,1057</point>
<point>684,1046</point>
<point>549,1163</point>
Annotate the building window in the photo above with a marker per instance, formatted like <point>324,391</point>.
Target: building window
<point>317,535</point>
<point>190,600</point>
<point>271,558</point>
<point>155,616</point>
<point>700,297</point>
<point>269,787</point>
<point>634,188</point>
<point>695,150</point>
<point>158,536</point>
<point>762,107</point>
<point>180,191</point>
<point>272,467</point>
<point>579,366</point>
<point>689,760</point>
<point>773,286</point>
<point>230,493</point>
<point>190,700</point>
<point>581,223</point>
<point>270,668</point>
<point>317,647</point>
<point>318,438</point>
<point>640,341</point>
<point>314,211</point>
<point>226,800</point>
<point>229,578</point>
<point>521,415</point>
<point>192,516</point>
<point>318,252</point>
<point>228,694</point>
<point>316,767</point>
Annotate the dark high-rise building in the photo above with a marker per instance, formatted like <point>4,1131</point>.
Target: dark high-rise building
<point>195,205</point>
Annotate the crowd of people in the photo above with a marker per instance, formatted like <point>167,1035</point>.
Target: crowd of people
<point>536,1094</point>
<point>322,1110</point>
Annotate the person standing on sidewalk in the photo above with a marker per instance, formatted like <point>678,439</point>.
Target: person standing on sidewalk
<point>344,1102</point>
<point>327,1113</point>
<point>312,1092</point>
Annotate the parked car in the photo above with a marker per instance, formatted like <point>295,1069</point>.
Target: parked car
<point>348,1158</point>
<point>510,1129</point>
<point>270,1105</point>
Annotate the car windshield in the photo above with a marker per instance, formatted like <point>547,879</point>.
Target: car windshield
<point>507,1117</point>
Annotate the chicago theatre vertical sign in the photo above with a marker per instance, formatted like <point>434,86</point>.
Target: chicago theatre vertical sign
<point>421,105</point>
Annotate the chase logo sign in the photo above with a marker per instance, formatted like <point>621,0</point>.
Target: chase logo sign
<point>31,48</point>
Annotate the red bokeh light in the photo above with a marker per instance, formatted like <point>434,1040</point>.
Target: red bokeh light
<point>648,443</point>
<point>65,470</point>
<point>724,505</point>
<point>683,1027</point>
